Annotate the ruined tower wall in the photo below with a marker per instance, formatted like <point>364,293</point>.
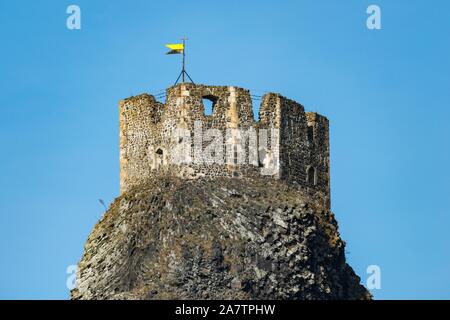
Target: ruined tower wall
<point>138,116</point>
<point>293,144</point>
<point>231,109</point>
<point>303,143</point>
<point>319,149</point>
<point>148,143</point>
<point>270,117</point>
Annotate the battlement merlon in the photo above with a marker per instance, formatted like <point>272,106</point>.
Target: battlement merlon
<point>303,141</point>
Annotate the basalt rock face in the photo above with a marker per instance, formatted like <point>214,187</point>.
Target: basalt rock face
<point>221,238</point>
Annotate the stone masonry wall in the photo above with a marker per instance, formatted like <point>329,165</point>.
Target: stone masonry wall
<point>319,150</point>
<point>148,143</point>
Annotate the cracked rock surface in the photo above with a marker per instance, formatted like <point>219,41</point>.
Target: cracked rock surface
<point>220,238</point>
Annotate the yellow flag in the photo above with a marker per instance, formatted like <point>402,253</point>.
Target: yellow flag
<point>176,46</point>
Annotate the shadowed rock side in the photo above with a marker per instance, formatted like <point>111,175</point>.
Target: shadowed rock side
<point>219,238</point>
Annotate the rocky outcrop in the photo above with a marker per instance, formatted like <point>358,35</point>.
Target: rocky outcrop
<point>221,238</point>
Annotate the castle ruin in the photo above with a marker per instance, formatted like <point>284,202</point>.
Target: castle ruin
<point>292,143</point>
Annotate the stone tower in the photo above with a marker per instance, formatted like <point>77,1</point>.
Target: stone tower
<point>178,138</point>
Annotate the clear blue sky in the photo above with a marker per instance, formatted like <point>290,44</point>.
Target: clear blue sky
<point>386,93</point>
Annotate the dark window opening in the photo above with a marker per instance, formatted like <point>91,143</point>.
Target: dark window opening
<point>159,158</point>
<point>310,134</point>
<point>262,157</point>
<point>311,176</point>
<point>209,102</point>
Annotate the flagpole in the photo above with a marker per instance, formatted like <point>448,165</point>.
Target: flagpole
<point>177,49</point>
<point>184,58</point>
